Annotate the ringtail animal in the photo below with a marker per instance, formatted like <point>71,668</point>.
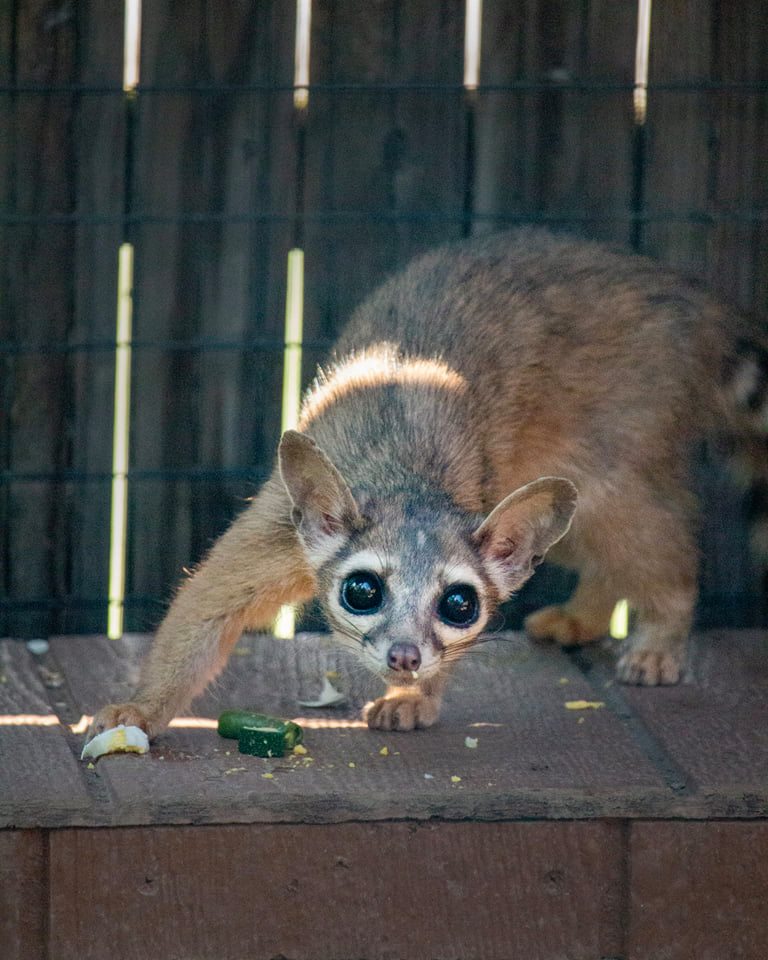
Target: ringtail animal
<point>501,399</point>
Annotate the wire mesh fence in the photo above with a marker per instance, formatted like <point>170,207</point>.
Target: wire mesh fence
<point>213,170</point>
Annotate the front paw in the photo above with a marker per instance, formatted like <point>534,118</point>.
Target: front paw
<point>402,710</point>
<point>129,714</point>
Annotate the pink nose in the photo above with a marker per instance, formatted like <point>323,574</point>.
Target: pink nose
<point>403,656</point>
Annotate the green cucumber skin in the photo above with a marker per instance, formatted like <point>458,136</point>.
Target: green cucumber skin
<point>231,722</point>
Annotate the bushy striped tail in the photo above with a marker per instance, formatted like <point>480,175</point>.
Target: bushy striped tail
<point>746,390</point>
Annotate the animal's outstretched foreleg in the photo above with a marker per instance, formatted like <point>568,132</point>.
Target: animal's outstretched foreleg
<point>254,568</point>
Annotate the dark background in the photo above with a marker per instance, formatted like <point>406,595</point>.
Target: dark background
<point>214,176</point>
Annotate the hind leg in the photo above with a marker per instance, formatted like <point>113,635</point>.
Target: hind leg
<point>662,588</point>
<point>642,550</point>
<point>654,654</point>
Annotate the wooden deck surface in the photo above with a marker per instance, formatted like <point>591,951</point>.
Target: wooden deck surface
<point>638,830</point>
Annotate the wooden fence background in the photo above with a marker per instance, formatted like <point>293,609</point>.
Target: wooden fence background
<point>213,176</point>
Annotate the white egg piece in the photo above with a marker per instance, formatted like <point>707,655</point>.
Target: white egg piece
<point>329,696</point>
<point>119,739</point>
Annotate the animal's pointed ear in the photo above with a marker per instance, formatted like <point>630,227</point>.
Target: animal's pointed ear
<point>518,532</point>
<point>324,510</point>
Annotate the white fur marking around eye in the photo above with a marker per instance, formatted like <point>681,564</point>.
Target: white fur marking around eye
<point>364,560</point>
<point>462,573</point>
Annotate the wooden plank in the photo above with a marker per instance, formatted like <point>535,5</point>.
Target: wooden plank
<point>23,894</point>
<point>387,155</point>
<point>737,261</point>
<point>681,165</point>
<point>373,890</point>
<point>714,726</point>
<point>7,21</point>
<point>99,141</point>
<point>506,127</point>
<point>738,265</point>
<point>38,267</point>
<point>678,132</point>
<point>602,126</point>
<point>225,155</point>
<point>698,890</point>
<point>39,776</point>
<point>534,758</point>
<point>558,151</point>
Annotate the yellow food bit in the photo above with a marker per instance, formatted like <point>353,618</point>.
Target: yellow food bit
<point>267,776</point>
<point>582,719</point>
<point>350,764</point>
<point>384,752</point>
<point>470,742</point>
<point>300,749</point>
<point>91,766</point>
<point>455,779</point>
<point>563,680</point>
<point>583,704</point>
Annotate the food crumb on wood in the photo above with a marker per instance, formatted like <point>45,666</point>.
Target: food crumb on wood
<point>584,704</point>
<point>428,776</point>
<point>384,752</point>
<point>351,764</point>
<point>470,742</point>
<point>455,779</point>
<point>300,750</point>
<point>268,776</point>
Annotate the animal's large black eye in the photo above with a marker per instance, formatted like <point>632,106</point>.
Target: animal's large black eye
<point>362,592</point>
<point>459,605</point>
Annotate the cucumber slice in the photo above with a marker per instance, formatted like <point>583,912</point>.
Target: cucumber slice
<point>232,722</point>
